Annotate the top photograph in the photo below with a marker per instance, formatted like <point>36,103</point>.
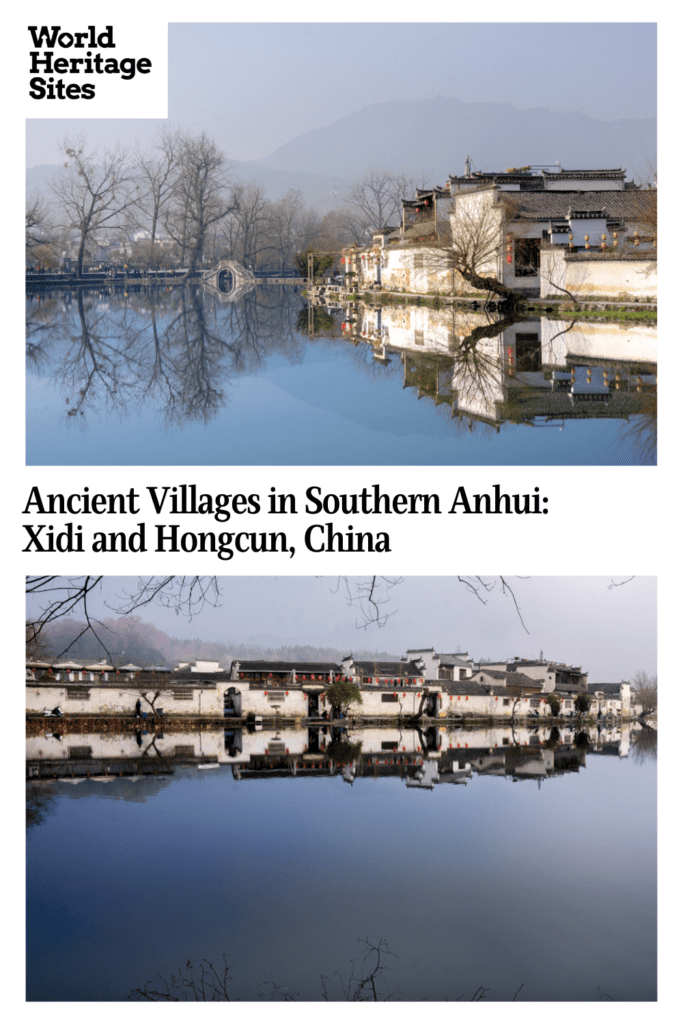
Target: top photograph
<point>354,244</point>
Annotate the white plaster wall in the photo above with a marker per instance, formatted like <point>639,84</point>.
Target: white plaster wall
<point>594,227</point>
<point>612,342</point>
<point>399,273</point>
<point>371,740</point>
<point>373,706</point>
<point>112,746</point>
<point>39,697</point>
<point>615,278</point>
<point>292,703</point>
<point>602,276</point>
<point>108,700</point>
<point>417,329</point>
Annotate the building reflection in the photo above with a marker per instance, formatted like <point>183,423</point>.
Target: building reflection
<point>422,758</point>
<point>537,370</point>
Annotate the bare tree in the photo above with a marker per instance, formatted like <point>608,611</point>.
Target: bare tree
<point>157,174</point>
<point>198,982</point>
<point>471,241</point>
<point>286,226</point>
<point>477,237</point>
<point>370,595</point>
<point>555,270</point>
<point>93,191</point>
<point>201,981</point>
<point>63,596</point>
<point>375,200</point>
<point>40,242</point>
<point>251,218</point>
<point>202,196</point>
<point>644,689</point>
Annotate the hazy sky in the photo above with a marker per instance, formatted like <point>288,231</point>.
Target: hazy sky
<point>254,87</point>
<point>578,620</point>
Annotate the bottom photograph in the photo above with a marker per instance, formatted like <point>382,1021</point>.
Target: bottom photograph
<point>265,789</point>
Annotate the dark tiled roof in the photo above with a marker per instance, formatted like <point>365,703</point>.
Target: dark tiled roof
<point>466,687</point>
<point>452,659</point>
<point>387,668</point>
<point>439,193</point>
<point>486,176</point>
<point>556,665</point>
<point>605,688</point>
<point>613,172</point>
<point>288,666</point>
<point>140,682</point>
<point>570,687</point>
<point>512,678</point>
<point>618,205</point>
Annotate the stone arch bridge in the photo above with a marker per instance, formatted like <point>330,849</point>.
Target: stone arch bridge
<point>228,280</point>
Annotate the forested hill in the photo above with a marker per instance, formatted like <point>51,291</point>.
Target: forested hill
<point>129,639</point>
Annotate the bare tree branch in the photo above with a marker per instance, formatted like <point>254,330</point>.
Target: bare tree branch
<point>65,596</point>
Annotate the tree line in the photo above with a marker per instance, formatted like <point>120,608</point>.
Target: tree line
<point>179,203</point>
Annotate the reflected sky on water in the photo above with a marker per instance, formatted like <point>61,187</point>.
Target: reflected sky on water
<point>258,382</point>
<point>520,856</point>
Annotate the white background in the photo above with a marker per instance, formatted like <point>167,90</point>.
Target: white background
<point>612,521</point>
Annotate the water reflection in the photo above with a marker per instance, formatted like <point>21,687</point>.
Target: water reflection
<point>177,353</point>
<point>283,847</point>
<point>420,757</point>
<point>492,371</point>
<point>176,349</point>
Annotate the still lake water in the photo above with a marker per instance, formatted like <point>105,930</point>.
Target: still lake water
<point>518,857</point>
<point>255,381</point>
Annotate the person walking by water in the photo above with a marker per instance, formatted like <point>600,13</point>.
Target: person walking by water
<point>138,708</point>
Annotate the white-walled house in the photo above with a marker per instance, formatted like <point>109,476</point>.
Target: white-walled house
<point>441,666</point>
<point>516,216</point>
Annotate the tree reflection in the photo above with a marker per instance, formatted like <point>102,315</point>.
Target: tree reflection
<point>644,744</point>
<point>40,797</point>
<point>178,349</point>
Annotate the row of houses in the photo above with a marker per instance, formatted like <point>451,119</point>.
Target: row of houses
<point>423,684</point>
<point>538,231</point>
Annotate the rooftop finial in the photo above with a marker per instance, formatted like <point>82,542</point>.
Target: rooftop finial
<point>468,167</point>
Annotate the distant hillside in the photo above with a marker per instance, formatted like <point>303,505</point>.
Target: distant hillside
<point>129,639</point>
<point>436,135</point>
<point>321,192</point>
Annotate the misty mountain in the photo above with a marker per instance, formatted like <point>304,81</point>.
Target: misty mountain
<point>129,639</point>
<point>321,192</point>
<point>436,135</point>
